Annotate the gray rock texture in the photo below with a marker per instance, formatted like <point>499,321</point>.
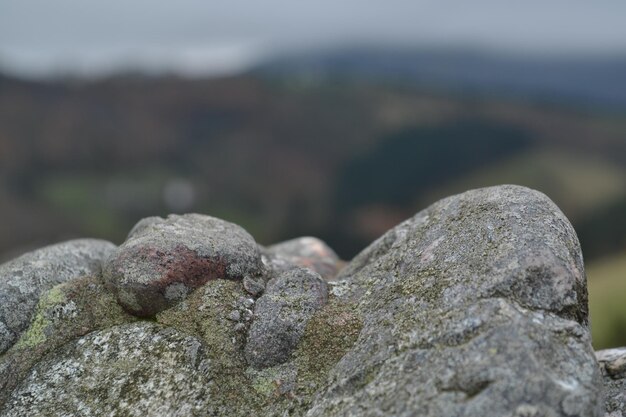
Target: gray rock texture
<point>219,315</point>
<point>281,316</point>
<point>163,260</point>
<point>63,313</point>
<point>23,279</point>
<point>476,306</point>
<point>307,252</point>
<point>613,362</point>
<point>140,369</point>
<point>613,365</point>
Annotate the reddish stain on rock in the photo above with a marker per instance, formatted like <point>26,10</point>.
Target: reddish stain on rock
<point>184,266</point>
<point>165,268</point>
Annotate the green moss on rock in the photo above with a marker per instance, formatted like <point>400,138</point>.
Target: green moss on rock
<point>70,310</point>
<point>42,322</point>
<point>209,314</point>
<point>63,313</point>
<point>328,336</point>
<point>205,314</point>
<point>290,388</point>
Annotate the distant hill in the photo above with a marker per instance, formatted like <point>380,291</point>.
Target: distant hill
<point>580,80</point>
<point>340,157</point>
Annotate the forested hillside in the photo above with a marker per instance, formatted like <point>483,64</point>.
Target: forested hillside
<point>286,156</point>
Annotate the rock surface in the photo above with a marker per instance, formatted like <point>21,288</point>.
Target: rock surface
<point>131,370</point>
<point>476,306</point>
<point>219,314</point>
<point>307,252</point>
<point>281,315</point>
<point>163,260</point>
<point>23,279</point>
<point>613,366</point>
<point>63,313</point>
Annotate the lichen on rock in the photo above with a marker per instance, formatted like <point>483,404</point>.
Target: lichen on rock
<point>329,335</point>
<point>208,315</point>
<point>135,369</point>
<point>281,316</point>
<point>164,260</point>
<point>63,313</point>
<point>23,279</point>
<point>476,306</point>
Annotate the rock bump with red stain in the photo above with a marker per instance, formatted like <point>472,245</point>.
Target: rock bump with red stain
<point>163,260</point>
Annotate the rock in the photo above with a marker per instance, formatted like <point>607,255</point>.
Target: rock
<point>63,313</point>
<point>328,336</point>
<point>23,279</point>
<point>476,306</point>
<point>306,252</point>
<point>143,224</point>
<point>281,315</point>
<point>135,369</point>
<point>253,286</point>
<point>163,260</point>
<point>613,365</point>
<point>287,388</point>
<point>613,361</point>
<point>205,314</point>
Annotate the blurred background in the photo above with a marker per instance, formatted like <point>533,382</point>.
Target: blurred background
<point>325,118</point>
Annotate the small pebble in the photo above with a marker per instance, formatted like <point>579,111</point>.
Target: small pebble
<point>252,286</point>
<point>234,315</point>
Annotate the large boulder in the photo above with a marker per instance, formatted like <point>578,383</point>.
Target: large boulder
<point>24,279</point>
<point>476,306</point>
<point>163,260</point>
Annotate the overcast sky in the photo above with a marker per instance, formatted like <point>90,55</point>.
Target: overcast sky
<point>40,37</point>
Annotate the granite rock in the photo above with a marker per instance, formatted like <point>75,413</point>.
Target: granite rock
<point>281,315</point>
<point>138,369</point>
<point>63,313</point>
<point>24,279</point>
<point>476,306</point>
<point>613,365</point>
<point>219,315</point>
<point>307,252</point>
<point>163,260</point>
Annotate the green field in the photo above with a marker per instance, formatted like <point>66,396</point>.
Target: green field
<point>607,301</point>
